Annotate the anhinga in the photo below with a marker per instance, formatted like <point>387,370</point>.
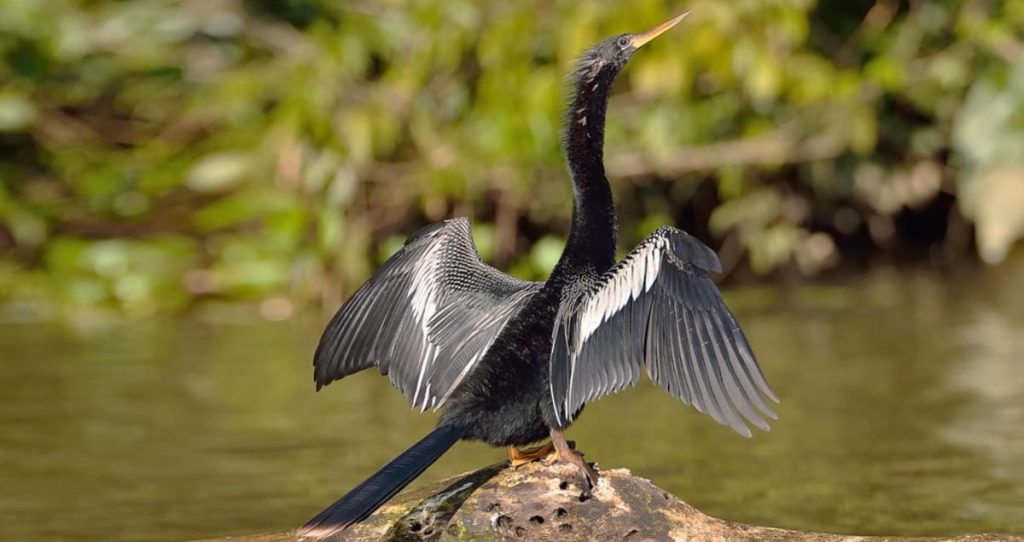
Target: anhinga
<point>514,362</point>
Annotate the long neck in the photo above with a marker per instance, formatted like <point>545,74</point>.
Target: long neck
<point>591,244</point>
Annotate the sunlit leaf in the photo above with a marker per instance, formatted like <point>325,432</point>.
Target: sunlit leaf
<point>16,112</point>
<point>218,172</point>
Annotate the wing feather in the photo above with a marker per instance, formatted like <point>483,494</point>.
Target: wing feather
<point>425,318</point>
<point>658,307</point>
<point>739,372</point>
<point>696,343</point>
<point>716,380</point>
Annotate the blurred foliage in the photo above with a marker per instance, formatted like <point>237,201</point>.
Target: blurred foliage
<point>156,152</point>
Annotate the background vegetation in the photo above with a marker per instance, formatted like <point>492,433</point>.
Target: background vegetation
<point>154,153</point>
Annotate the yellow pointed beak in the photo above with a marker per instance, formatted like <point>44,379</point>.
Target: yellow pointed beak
<point>640,39</point>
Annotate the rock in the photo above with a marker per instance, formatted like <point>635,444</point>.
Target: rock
<point>541,502</point>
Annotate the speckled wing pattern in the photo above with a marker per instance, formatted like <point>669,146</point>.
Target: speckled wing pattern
<point>658,306</point>
<point>425,318</point>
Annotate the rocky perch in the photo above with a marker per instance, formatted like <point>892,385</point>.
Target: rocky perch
<point>539,502</point>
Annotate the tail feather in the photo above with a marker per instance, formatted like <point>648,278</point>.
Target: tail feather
<point>368,496</point>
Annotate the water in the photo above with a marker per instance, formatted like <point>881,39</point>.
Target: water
<point>902,413</point>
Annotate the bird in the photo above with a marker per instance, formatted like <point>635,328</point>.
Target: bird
<point>513,362</point>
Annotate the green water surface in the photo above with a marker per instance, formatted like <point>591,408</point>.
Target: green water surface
<point>902,413</point>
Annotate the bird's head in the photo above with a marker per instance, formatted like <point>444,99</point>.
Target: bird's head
<point>611,55</point>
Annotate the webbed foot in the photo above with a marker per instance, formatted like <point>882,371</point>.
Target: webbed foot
<point>517,457</point>
<point>564,452</point>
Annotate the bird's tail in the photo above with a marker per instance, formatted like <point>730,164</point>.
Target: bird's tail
<point>359,503</point>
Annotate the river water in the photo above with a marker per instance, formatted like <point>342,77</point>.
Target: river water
<point>902,413</point>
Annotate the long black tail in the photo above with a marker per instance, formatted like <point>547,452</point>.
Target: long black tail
<point>359,503</point>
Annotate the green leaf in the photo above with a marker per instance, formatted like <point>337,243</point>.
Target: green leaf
<point>218,172</point>
<point>16,113</point>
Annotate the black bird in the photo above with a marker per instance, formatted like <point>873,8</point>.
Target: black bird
<point>513,362</point>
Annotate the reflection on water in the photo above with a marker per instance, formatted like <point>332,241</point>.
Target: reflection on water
<point>902,413</point>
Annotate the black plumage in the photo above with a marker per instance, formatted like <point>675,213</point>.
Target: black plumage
<point>513,362</point>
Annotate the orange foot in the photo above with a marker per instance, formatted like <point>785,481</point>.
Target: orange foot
<point>517,457</point>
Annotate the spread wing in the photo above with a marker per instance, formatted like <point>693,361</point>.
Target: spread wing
<point>425,318</point>
<point>660,307</point>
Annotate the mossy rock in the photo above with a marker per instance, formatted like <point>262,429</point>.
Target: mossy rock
<point>541,502</point>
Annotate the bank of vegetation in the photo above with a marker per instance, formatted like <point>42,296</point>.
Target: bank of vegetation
<point>156,153</point>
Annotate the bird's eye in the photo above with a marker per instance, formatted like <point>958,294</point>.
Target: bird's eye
<point>623,42</point>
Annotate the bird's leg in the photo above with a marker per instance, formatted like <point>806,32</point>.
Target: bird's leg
<point>566,453</point>
<point>517,457</point>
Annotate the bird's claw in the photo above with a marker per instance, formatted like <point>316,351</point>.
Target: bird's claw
<point>565,450</point>
<point>576,458</point>
<point>589,471</point>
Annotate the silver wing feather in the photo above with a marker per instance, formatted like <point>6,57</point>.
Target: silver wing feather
<point>425,318</point>
<point>658,306</point>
